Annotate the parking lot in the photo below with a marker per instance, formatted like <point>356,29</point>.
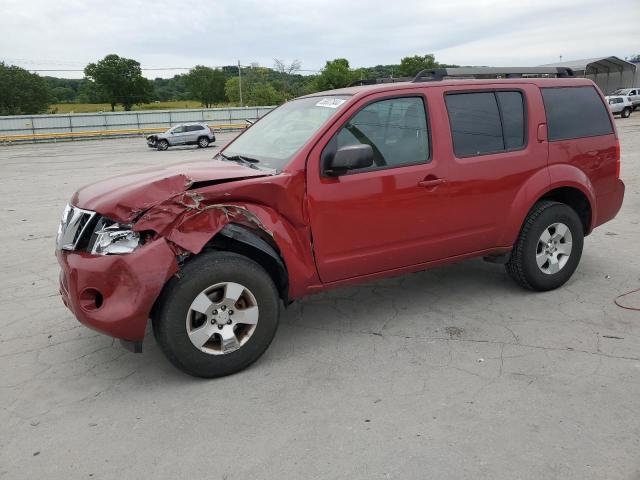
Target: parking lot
<point>446,374</point>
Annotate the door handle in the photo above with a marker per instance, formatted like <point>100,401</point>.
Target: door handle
<point>431,183</point>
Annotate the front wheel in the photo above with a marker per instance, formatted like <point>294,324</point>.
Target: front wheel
<point>219,316</point>
<point>626,113</point>
<point>549,247</point>
<point>163,145</point>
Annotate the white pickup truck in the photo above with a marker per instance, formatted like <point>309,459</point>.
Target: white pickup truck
<point>632,93</point>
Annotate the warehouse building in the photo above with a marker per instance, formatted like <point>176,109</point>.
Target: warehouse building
<point>609,73</point>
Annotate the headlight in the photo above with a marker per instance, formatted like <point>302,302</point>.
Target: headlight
<point>114,239</point>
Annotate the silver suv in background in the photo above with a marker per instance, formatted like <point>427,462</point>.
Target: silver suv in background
<point>199,134</point>
<point>632,93</point>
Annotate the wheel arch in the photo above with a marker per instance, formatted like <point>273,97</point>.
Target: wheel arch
<point>577,200</point>
<point>560,182</point>
<point>258,246</point>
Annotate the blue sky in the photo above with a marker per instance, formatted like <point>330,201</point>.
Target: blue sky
<point>67,34</point>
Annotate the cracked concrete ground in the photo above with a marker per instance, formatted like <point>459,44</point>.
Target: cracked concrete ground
<point>447,374</point>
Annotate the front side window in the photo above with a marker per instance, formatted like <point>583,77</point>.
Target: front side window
<point>396,129</point>
<point>486,122</point>
<point>178,129</point>
<point>575,112</point>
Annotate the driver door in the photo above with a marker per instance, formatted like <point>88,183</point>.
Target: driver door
<point>177,135</point>
<point>386,216</point>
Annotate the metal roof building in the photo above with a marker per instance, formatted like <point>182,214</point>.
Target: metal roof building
<point>609,73</point>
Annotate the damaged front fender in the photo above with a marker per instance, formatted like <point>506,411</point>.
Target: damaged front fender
<point>189,223</point>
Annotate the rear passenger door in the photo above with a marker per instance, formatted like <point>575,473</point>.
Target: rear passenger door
<point>193,132</point>
<point>491,149</point>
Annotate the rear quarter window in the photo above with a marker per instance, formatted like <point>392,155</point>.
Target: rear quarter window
<point>575,112</point>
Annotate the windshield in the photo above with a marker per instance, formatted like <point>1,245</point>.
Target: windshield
<point>620,91</point>
<point>279,135</point>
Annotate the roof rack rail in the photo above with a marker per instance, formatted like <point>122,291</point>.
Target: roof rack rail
<point>437,74</point>
<point>375,81</point>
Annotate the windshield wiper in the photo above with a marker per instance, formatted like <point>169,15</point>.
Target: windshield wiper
<point>248,161</point>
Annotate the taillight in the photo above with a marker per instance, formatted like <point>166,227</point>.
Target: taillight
<point>617,154</point>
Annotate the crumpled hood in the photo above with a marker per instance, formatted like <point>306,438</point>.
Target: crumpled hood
<point>124,197</point>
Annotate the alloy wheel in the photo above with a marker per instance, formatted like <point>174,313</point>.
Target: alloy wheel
<point>554,248</point>
<point>222,318</point>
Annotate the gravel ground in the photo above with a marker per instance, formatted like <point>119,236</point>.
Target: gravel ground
<point>447,374</point>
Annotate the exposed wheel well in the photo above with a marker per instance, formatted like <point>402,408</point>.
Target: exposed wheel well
<point>576,200</point>
<point>257,246</point>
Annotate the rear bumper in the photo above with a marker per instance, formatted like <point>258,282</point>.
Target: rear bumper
<point>114,294</point>
<point>608,205</point>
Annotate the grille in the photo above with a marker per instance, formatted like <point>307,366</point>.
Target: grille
<point>73,227</point>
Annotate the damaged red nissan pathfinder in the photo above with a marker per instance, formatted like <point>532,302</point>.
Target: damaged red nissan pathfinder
<point>337,188</point>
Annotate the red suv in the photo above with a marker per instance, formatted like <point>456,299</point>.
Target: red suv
<point>338,188</point>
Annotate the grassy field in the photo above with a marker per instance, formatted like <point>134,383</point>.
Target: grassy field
<point>105,107</point>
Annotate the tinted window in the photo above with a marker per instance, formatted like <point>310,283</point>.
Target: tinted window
<point>574,112</point>
<point>512,110</point>
<point>475,123</point>
<point>179,129</point>
<point>395,128</point>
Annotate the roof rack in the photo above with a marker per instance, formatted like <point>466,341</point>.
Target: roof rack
<point>375,81</point>
<point>437,74</point>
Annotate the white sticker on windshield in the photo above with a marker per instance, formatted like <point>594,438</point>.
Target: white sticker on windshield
<point>330,102</point>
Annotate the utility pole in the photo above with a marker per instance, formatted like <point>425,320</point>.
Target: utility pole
<point>240,82</point>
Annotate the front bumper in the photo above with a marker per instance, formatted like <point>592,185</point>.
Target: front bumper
<point>114,294</point>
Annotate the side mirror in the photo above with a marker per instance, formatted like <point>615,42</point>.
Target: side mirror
<point>351,157</point>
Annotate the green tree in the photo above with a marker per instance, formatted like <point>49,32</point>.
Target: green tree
<point>22,92</point>
<point>255,91</point>
<point>119,80</point>
<point>232,90</point>
<point>206,84</point>
<point>335,74</point>
<point>410,66</point>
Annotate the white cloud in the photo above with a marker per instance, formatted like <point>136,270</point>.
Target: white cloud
<point>71,33</point>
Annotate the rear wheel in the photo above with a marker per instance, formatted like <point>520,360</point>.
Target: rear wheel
<point>626,113</point>
<point>163,145</point>
<point>219,316</point>
<point>548,248</point>
<point>203,142</point>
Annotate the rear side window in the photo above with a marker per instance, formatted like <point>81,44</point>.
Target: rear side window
<point>575,112</point>
<point>193,128</point>
<point>486,122</point>
<point>512,109</point>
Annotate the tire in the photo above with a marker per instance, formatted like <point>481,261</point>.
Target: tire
<point>530,249</point>
<point>175,321</point>
<point>203,142</point>
<point>163,145</point>
<point>626,113</point>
